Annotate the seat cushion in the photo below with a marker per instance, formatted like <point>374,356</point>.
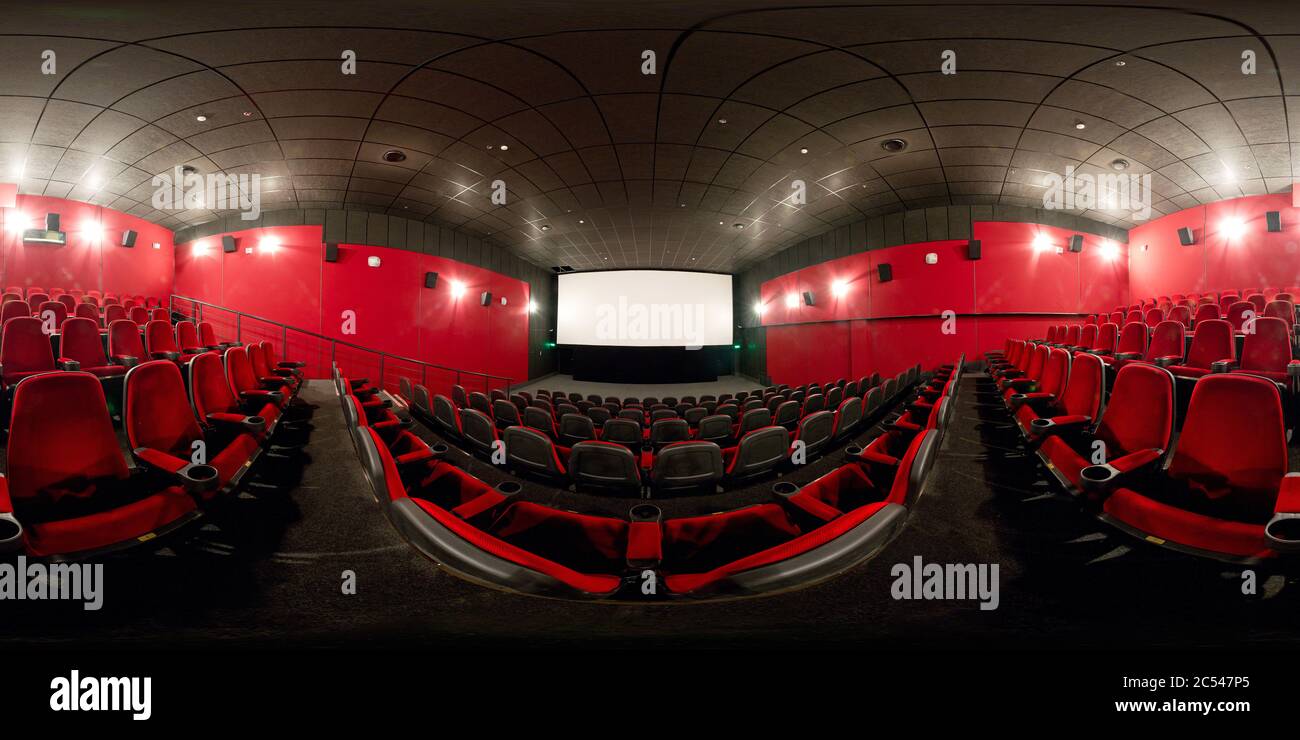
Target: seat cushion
<point>1172,524</point>
<point>111,526</point>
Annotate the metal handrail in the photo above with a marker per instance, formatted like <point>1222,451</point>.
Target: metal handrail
<point>334,343</point>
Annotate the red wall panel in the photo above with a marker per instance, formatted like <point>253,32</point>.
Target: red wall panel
<point>92,258</point>
<point>1159,264</point>
<point>290,282</point>
<point>900,322</point>
<point>790,361</point>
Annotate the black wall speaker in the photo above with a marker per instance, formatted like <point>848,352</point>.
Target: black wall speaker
<point>886,272</point>
<point>486,298</point>
<point>1185,236</point>
<point>51,222</point>
<point>430,279</point>
<point>228,244</point>
<point>331,253</point>
<point>1076,243</point>
<point>808,298</point>
<point>973,249</point>
<point>1274,219</point>
<point>128,238</point>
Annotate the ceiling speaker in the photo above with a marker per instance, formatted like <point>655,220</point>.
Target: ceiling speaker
<point>331,253</point>
<point>886,272</point>
<point>128,238</point>
<point>51,222</point>
<point>1185,236</point>
<point>228,244</point>
<point>973,249</point>
<point>485,298</point>
<point>1076,243</point>
<point>430,279</point>
<point>808,298</point>
<point>1274,219</point>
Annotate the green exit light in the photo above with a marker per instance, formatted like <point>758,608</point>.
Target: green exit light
<point>735,346</point>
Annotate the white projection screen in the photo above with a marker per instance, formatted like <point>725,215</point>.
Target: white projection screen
<point>644,308</point>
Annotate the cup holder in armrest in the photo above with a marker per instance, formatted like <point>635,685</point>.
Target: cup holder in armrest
<point>1042,425</point>
<point>852,453</point>
<point>1283,532</point>
<point>1098,477</point>
<point>200,478</point>
<point>255,424</point>
<point>785,489</point>
<point>509,487</point>
<point>645,513</point>
<point>1018,399</point>
<point>11,533</point>
<point>439,449</point>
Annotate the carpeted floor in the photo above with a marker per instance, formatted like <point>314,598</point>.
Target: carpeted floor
<point>268,573</point>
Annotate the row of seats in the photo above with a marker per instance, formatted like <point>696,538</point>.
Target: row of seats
<point>59,312</point>
<point>667,456</point>
<point>35,295</point>
<point>193,432</point>
<point>1221,490</point>
<point>496,535</point>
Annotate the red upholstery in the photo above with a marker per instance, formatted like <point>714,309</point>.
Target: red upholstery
<point>139,315</point>
<point>24,350</point>
<point>124,341</point>
<point>244,384</point>
<point>1267,351</point>
<point>81,342</point>
<point>75,502</point>
<point>1212,342</point>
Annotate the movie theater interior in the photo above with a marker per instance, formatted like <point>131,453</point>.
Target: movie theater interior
<point>408,328</point>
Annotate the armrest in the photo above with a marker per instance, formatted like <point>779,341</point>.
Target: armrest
<point>173,356</point>
<point>1222,366</point>
<point>124,360</point>
<point>271,384</point>
<point>1038,399</point>
<point>1040,430</point>
<point>1293,368</point>
<point>877,458</point>
<point>1283,531</point>
<point>418,456</point>
<point>195,478</point>
<point>283,372</point>
<point>290,365</point>
<point>254,425</point>
<point>364,392</point>
<point>1100,480</point>
<point>1100,352</point>
<point>68,364</point>
<point>1012,374</point>
<point>262,395</point>
<point>1168,360</point>
<point>1022,383</point>
<point>1128,355</point>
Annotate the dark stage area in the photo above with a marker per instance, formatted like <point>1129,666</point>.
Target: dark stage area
<point>645,364</point>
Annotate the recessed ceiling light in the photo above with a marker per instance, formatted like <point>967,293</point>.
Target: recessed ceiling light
<point>394,155</point>
<point>582,221</point>
<point>719,223</point>
<point>1119,164</point>
<point>248,114</point>
<point>804,150</point>
<point>200,118</point>
<point>505,147</point>
<point>893,145</point>
<point>739,226</point>
<point>1120,63</point>
<point>546,227</point>
<point>722,121</point>
<point>1080,125</point>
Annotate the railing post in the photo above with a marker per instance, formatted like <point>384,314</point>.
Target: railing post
<point>284,342</point>
<point>381,371</point>
<point>424,376</point>
<point>239,326</point>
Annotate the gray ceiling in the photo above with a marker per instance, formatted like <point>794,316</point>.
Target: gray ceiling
<point>633,170</point>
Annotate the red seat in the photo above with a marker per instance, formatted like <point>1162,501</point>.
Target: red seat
<point>1238,313</point>
<point>1080,399</point>
<point>140,315</point>
<point>215,404</point>
<point>114,312</point>
<point>244,384</point>
<point>55,313</point>
<point>1211,343</point>
<point>162,431</point>
<point>81,343</point>
<point>124,344</point>
<point>24,350</point>
<point>187,338</point>
<point>1267,351</point>
<point>1132,344</point>
<point>85,501</point>
<point>1134,429</point>
<point>89,311</point>
<point>14,310</point>
<point>1221,487</point>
